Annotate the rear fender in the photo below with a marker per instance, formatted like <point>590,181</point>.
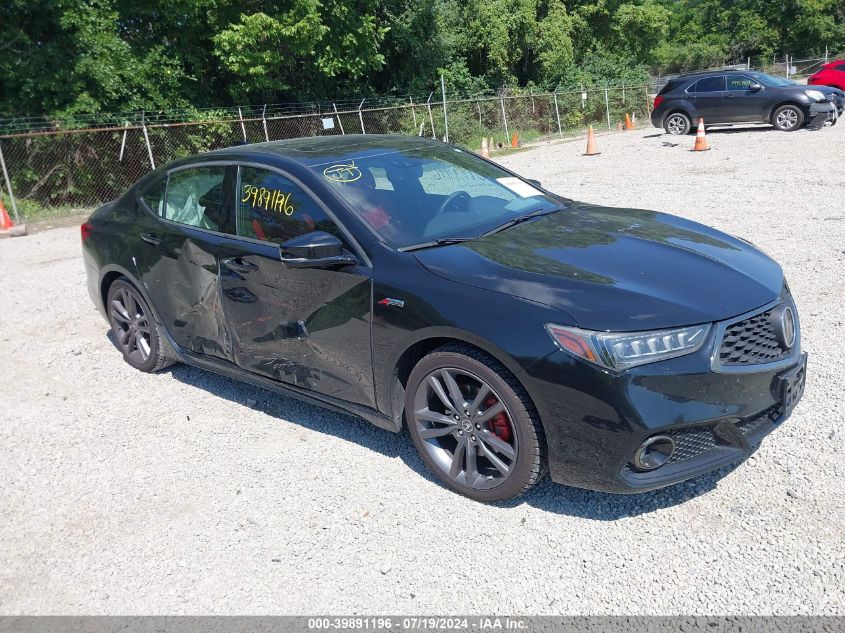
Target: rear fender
<point>682,107</point>
<point>112,272</point>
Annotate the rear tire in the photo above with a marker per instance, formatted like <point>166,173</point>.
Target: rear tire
<point>135,330</point>
<point>490,445</point>
<point>677,124</point>
<point>788,118</point>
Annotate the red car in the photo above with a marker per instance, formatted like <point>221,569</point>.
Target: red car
<point>831,74</point>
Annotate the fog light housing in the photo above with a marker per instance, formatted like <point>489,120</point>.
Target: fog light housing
<point>653,453</point>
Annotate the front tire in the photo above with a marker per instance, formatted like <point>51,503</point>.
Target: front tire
<point>135,331</point>
<point>788,118</point>
<point>677,124</point>
<point>474,425</point>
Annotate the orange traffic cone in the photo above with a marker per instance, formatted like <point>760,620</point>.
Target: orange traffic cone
<point>592,149</point>
<point>515,140</point>
<point>5,220</point>
<point>629,125</point>
<point>701,144</point>
<point>485,148</point>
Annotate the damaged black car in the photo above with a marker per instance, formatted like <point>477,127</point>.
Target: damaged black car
<point>512,331</point>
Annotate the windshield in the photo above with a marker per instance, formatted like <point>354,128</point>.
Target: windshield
<point>416,195</point>
<point>772,82</point>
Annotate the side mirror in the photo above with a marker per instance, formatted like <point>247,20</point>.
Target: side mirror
<point>317,249</point>
<point>755,87</point>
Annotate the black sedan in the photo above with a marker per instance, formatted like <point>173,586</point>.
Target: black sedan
<point>737,97</point>
<point>413,283</point>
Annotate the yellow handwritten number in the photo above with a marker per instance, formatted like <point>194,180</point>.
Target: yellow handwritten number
<point>269,199</point>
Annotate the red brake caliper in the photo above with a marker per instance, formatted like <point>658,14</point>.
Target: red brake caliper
<point>498,423</point>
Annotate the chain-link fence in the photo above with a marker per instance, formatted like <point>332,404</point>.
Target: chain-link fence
<point>51,171</point>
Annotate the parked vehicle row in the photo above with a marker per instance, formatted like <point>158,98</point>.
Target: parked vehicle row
<point>732,97</point>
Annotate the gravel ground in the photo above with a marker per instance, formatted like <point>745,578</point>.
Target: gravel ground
<point>184,492</point>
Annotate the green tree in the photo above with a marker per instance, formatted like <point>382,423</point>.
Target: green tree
<point>325,41</point>
<point>70,58</point>
<point>555,51</point>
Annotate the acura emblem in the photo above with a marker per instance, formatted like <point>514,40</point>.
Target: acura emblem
<point>783,323</point>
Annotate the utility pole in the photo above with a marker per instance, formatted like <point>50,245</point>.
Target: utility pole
<point>445,118</point>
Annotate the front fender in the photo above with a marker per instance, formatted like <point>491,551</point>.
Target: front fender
<point>802,102</point>
<point>426,307</point>
<point>456,334</point>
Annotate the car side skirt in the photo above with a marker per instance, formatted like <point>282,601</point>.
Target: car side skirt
<point>341,406</point>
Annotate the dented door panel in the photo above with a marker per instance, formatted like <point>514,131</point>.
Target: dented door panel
<point>308,327</point>
<point>180,274</point>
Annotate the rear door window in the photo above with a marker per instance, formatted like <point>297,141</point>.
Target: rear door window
<point>195,197</point>
<point>709,84</point>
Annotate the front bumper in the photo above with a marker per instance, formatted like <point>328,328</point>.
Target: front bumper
<point>821,113</point>
<point>703,448</point>
<point>595,420</point>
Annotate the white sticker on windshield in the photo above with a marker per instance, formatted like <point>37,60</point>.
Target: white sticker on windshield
<point>519,187</point>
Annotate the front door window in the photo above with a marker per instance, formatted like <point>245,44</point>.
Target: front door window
<point>273,208</point>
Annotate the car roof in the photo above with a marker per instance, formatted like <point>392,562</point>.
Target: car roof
<point>316,150</point>
<point>715,71</point>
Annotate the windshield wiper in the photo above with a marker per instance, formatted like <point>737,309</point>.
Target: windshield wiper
<point>521,219</point>
<point>443,241</point>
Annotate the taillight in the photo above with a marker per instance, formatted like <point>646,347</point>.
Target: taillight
<point>657,101</point>
<point>86,230</point>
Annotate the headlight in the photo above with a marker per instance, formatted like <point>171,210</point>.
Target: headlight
<point>815,95</point>
<point>620,350</point>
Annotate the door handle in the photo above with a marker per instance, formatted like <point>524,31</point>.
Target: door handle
<point>239,264</point>
<point>151,238</point>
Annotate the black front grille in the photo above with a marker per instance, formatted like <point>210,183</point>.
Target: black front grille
<point>751,342</point>
<point>692,442</point>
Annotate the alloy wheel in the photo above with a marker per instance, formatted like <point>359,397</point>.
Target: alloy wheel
<point>466,428</point>
<point>131,326</point>
<point>677,124</point>
<point>787,119</point>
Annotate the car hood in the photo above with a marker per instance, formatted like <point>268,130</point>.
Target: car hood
<point>616,269</point>
<point>823,89</point>
<point>828,91</point>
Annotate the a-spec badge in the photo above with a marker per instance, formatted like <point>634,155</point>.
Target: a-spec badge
<point>397,303</point>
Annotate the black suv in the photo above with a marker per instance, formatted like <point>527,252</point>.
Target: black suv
<point>731,96</point>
